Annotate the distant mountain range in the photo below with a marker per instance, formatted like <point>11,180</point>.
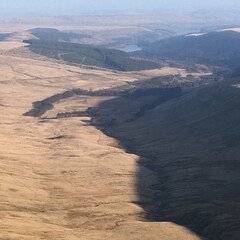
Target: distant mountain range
<point>216,48</point>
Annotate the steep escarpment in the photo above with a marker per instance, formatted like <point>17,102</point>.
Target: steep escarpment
<point>193,145</point>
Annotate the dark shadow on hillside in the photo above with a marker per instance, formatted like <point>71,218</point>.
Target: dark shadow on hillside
<point>192,144</point>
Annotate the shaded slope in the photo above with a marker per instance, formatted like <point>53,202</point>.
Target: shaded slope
<point>193,143</point>
<point>218,48</point>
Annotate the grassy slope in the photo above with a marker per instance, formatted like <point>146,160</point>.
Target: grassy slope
<point>64,179</point>
<point>90,55</point>
<point>194,146</point>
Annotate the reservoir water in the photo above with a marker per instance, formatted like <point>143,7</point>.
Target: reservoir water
<point>129,48</point>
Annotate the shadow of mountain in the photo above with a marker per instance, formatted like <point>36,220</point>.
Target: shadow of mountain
<point>192,144</point>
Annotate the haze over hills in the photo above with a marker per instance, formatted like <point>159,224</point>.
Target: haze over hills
<point>128,28</point>
<point>78,7</point>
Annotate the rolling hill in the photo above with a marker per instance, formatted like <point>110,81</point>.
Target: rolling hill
<point>51,34</point>
<point>215,48</point>
<point>90,55</point>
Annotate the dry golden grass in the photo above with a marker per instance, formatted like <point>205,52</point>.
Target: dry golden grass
<point>164,71</point>
<point>80,186</point>
<point>6,46</point>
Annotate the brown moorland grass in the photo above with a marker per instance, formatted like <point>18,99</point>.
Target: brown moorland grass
<point>63,178</point>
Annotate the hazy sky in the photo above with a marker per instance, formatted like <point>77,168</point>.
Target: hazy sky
<point>67,7</point>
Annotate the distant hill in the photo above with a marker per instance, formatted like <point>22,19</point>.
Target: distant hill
<point>90,55</point>
<point>51,34</point>
<point>45,34</point>
<point>216,48</point>
<point>192,143</point>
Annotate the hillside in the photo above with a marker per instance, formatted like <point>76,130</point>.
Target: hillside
<point>215,48</point>
<point>62,178</point>
<point>89,55</point>
<point>51,34</point>
<point>192,143</point>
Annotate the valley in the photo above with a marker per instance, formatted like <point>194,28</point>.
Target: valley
<point>99,143</point>
<point>63,178</point>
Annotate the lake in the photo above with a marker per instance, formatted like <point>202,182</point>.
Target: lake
<point>129,48</point>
